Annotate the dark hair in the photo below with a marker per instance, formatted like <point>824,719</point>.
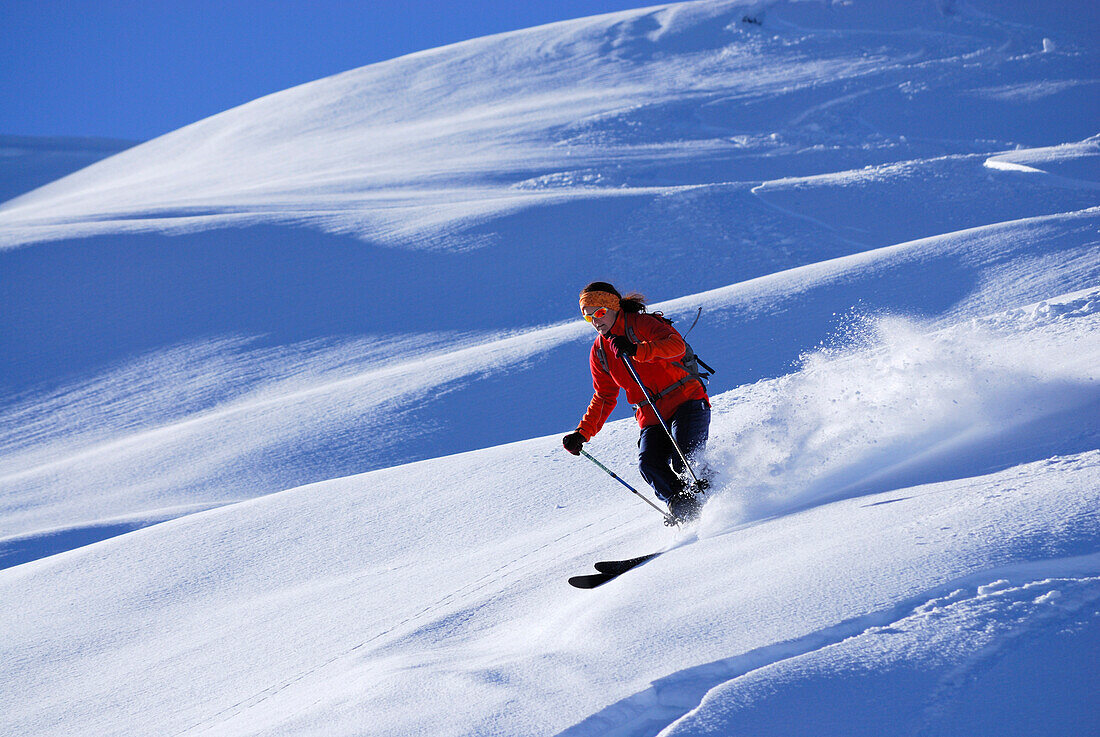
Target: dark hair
<point>632,302</point>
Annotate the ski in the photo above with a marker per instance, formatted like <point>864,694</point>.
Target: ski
<point>622,566</point>
<point>608,571</point>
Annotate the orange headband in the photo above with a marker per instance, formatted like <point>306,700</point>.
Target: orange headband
<point>600,299</point>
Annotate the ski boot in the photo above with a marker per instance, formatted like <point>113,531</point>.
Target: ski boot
<point>686,505</point>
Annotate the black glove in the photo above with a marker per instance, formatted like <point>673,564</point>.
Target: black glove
<point>623,346</point>
<point>573,442</point>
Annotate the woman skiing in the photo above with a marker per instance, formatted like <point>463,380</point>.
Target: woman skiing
<point>628,333</point>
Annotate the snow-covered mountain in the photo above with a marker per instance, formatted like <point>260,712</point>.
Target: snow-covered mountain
<point>283,390</point>
<point>28,162</point>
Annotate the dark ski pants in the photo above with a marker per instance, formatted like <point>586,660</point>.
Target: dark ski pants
<point>659,462</point>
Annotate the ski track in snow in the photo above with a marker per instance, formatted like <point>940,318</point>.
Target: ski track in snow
<point>514,568</point>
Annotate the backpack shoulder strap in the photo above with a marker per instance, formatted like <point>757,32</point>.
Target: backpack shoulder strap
<point>628,322</point>
<point>601,356</point>
<point>630,330</point>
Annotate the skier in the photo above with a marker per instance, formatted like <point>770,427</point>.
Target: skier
<point>626,330</point>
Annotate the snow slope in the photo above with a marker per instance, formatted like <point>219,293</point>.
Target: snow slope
<point>347,607</point>
<point>282,390</point>
<point>710,151</point>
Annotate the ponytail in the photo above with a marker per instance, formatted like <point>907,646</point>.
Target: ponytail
<point>634,302</point>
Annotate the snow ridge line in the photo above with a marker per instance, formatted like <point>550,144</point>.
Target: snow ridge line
<point>678,696</point>
<point>478,584</point>
<point>1005,164</point>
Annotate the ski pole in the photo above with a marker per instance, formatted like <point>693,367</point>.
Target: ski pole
<point>653,404</point>
<point>669,519</point>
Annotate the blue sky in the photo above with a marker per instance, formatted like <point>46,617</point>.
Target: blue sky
<point>135,69</point>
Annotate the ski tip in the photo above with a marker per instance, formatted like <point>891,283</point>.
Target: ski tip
<point>591,581</point>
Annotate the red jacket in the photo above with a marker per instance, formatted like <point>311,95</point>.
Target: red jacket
<point>659,347</point>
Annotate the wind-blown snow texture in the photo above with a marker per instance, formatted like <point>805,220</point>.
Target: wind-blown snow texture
<point>283,390</point>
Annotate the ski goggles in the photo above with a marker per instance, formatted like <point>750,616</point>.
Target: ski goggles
<point>595,315</point>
